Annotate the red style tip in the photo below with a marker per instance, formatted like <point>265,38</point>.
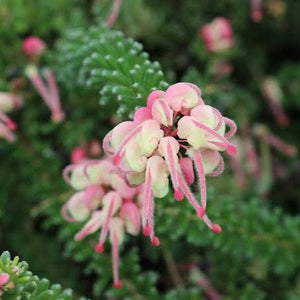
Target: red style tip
<point>58,117</point>
<point>178,195</point>
<point>117,158</point>
<point>231,150</point>
<point>118,284</point>
<point>99,248</point>
<point>146,230</point>
<point>11,125</point>
<point>201,212</point>
<point>155,241</point>
<point>216,228</point>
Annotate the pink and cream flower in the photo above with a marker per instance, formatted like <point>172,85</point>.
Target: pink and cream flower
<point>217,35</point>
<point>175,136</point>
<point>103,200</point>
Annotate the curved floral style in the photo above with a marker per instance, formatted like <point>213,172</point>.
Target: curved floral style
<point>104,200</point>
<point>174,136</point>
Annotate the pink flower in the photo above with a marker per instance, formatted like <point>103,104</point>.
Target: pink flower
<point>273,94</point>
<point>104,200</point>
<point>114,13</point>
<point>4,278</point>
<point>94,148</point>
<point>78,154</point>
<point>7,126</point>
<point>256,10</point>
<point>263,133</point>
<point>49,93</point>
<point>33,46</point>
<point>217,35</point>
<point>175,135</point>
<point>9,102</point>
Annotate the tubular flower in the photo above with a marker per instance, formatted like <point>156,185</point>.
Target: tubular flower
<point>103,200</point>
<point>262,132</point>
<point>49,92</point>
<point>217,35</point>
<point>175,137</point>
<point>273,94</point>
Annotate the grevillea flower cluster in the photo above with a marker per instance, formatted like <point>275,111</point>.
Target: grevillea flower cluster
<point>217,35</point>
<point>34,47</point>
<point>175,136</point>
<point>8,102</point>
<point>103,200</point>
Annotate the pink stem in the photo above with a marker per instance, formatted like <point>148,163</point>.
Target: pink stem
<point>278,144</point>
<point>232,127</point>
<point>187,192</point>
<point>42,89</point>
<point>171,161</point>
<point>114,13</point>
<point>230,148</point>
<point>219,169</point>
<point>105,228</point>
<point>115,261</point>
<point>201,178</point>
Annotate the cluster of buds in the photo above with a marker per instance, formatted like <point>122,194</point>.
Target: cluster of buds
<point>256,10</point>
<point>105,201</point>
<point>176,135</point>
<point>34,47</point>
<point>80,153</point>
<point>273,94</point>
<point>8,102</point>
<point>217,35</point>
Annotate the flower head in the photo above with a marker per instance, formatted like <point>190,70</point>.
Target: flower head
<point>175,137</point>
<point>33,46</point>
<point>217,35</point>
<point>4,278</point>
<point>9,102</point>
<point>104,200</point>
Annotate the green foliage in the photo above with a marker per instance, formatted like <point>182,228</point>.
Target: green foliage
<point>110,64</point>
<point>23,284</point>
